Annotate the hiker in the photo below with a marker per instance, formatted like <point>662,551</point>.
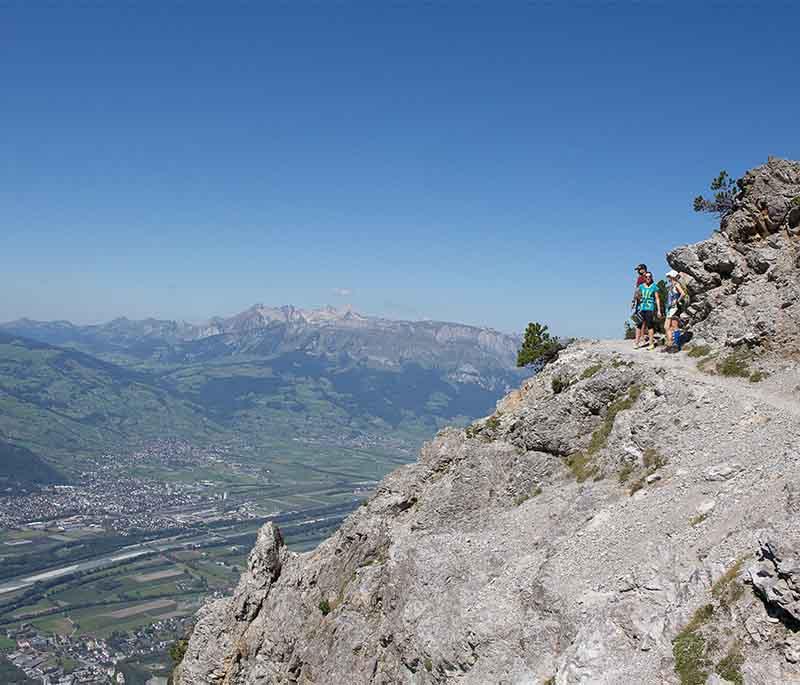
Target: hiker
<point>676,298</point>
<point>636,317</point>
<point>649,304</point>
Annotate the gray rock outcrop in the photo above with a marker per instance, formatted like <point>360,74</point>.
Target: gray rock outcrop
<point>776,578</point>
<point>743,279</point>
<point>222,626</point>
<point>534,545</point>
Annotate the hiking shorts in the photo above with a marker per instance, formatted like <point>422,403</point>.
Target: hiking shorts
<point>649,317</point>
<point>672,313</point>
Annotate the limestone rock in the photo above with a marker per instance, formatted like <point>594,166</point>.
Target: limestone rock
<point>776,577</point>
<point>513,553</point>
<point>715,679</point>
<point>723,471</point>
<point>217,644</point>
<point>743,279</point>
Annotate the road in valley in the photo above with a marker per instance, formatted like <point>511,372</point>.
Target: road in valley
<point>319,515</point>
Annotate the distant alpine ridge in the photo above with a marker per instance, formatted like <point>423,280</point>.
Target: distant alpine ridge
<point>261,378</point>
<point>468,354</point>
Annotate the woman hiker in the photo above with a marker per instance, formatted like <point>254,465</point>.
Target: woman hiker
<point>649,303</point>
<point>676,296</point>
<point>638,321</point>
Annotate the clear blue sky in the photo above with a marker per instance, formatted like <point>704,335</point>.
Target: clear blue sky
<point>492,163</point>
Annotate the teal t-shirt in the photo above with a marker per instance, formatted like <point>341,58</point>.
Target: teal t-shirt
<point>648,301</point>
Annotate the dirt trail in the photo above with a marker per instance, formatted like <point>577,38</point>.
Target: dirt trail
<point>683,365</point>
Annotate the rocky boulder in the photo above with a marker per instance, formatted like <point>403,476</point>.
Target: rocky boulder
<point>744,279</point>
<point>776,578</point>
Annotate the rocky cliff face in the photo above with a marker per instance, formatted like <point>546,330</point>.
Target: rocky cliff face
<point>744,279</point>
<point>624,517</point>
<point>580,535</point>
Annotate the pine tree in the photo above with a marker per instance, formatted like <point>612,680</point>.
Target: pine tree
<point>538,348</point>
<point>722,204</point>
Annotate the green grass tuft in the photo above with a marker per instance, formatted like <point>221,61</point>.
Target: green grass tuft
<point>700,617</point>
<point>735,365</point>
<point>581,466</point>
<point>730,666</point>
<point>718,588</point>
<point>559,384</point>
<point>600,436</point>
<point>697,520</point>
<point>758,376</point>
<point>493,422</point>
<point>177,651</point>
<point>581,463</point>
<point>590,371</point>
<point>728,590</point>
<point>689,649</point>
<point>652,461</point>
<point>325,606</point>
<point>697,351</point>
<point>521,499</point>
<point>691,664</point>
<point>625,471</point>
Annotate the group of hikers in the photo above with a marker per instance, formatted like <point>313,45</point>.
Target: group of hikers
<point>648,307</point>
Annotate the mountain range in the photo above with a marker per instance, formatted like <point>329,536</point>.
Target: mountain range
<point>472,354</point>
<point>332,375</point>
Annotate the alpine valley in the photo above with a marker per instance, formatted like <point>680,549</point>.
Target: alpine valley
<point>138,459</point>
<point>327,377</point>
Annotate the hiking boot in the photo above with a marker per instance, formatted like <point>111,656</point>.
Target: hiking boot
<point>651,346</point>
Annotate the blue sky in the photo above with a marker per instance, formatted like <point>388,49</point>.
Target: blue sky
<point>492,163</point>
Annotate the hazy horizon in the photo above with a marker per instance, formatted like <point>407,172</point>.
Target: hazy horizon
<point>225,315</point>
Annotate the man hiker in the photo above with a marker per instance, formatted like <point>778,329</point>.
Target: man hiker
<point>649,303</point>
<point>638,321</point>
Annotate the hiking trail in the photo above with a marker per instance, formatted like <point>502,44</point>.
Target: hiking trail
<point>682,365</point>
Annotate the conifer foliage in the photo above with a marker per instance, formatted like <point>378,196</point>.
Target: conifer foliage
<point>538,347</point>
<point>722,203</point>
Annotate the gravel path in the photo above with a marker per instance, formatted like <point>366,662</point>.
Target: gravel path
<point>683,365</point>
